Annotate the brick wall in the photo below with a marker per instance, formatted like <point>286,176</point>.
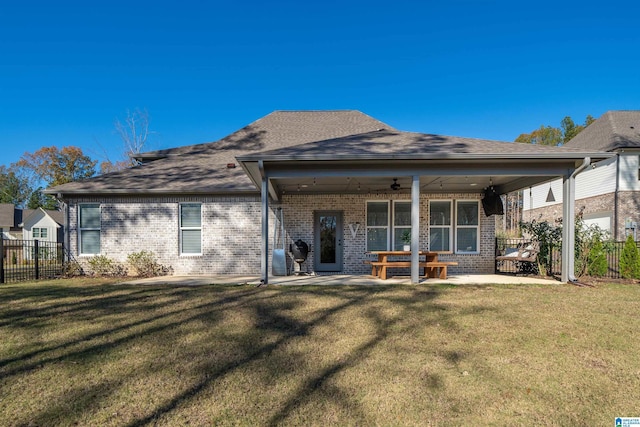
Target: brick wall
<point>628,208</point>
<point>231,228</point>
<point>299,209</point>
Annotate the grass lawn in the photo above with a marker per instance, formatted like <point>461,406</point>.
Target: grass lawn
<point>90,352</point>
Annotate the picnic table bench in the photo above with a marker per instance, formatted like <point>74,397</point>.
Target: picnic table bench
<point>432,266</point>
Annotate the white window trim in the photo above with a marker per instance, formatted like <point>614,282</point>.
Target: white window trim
<point>457,227</point>
<point>367,226</point>
<point>40,236</point>
<point>80,229</point>
<point>451,222</point>
<point>392,221</point>
<point>181,229</point>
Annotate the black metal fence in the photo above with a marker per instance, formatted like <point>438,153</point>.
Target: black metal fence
<point>24,260</point>
<point>550,258</point>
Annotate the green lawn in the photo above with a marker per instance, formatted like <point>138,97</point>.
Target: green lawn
<point>90,352</point>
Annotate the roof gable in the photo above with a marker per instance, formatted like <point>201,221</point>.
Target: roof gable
<point>31,217</point>
<point>615,130</point>
<point>281,129</point>
<point>204,167</point>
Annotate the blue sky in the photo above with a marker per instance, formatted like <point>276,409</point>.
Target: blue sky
<point>486,69</point>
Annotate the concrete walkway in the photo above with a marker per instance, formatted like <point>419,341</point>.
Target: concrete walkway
<point>455,279</point>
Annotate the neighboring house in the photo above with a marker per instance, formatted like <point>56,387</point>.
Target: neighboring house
<point>345,184</point>
<point>608,194</point>
<point>31,224</point>
<point>7,221</point>
<point>43,225</point>
<point>20,225</point>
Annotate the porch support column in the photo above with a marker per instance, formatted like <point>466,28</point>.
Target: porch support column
<point>568,222</point>
<point>568,228</point>
<point>264,256</point>
<point>415,229</point>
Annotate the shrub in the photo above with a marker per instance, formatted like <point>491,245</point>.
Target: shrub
<point>546,235</point>
<point>101,265</point>
<point>629,267</point>
<point>72,269</point>
<point>597,264</point>
<point>592,245</point>
<point>144,264</point>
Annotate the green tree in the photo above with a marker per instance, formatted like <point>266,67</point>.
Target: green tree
<point>40,200</point>
<point>14,188</point>
<point>549,135</point>
<point>570,129</point>
<point>629,260</point>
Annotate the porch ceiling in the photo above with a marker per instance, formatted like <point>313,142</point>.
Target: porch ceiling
<point>382,184</point>
<point>436,176</point>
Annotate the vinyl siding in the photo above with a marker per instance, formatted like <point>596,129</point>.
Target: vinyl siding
<point>592,182</point>
<point>629,165</point>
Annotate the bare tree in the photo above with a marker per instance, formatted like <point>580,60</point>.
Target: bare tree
<point>134,133</point>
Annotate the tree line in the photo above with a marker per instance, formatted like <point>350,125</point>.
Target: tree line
<point>555,136</point>
<point>22,182</point>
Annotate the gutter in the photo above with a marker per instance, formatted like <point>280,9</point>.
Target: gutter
<point>566,155</point>
<point>585,163</point>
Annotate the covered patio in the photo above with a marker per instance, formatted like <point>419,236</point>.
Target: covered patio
<point>394,162</point>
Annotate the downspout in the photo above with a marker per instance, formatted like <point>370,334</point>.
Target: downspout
<point>66,241</point>
<point>569,232</point>
<point>615,198</point>
<point>585,163</point>
<point>264,203</point>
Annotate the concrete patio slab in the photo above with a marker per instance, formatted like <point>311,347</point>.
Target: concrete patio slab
<point>340,279</point>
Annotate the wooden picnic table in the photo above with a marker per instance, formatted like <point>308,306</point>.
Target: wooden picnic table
<point>432,266</point>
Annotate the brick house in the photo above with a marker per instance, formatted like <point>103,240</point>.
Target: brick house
<point>608,193</point>
<point>343,182</point>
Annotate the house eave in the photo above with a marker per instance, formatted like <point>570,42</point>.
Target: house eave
<point>431,156</point>
<point>62,194</point>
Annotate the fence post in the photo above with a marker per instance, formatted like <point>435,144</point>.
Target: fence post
<point>495,254</point>
<point>1,259</point>
<point>36,255</point>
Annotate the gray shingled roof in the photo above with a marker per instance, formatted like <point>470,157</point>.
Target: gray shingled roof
<point>615,130</point>
<point>408,145</point>
<point>6,215</point>
<point>10,216</point>
<point>57,216</point>
<point>280,129</point>
<point>203,167</point>
<point>323,135</point>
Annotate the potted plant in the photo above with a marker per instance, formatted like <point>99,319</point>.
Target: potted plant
<point>406,239</point>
